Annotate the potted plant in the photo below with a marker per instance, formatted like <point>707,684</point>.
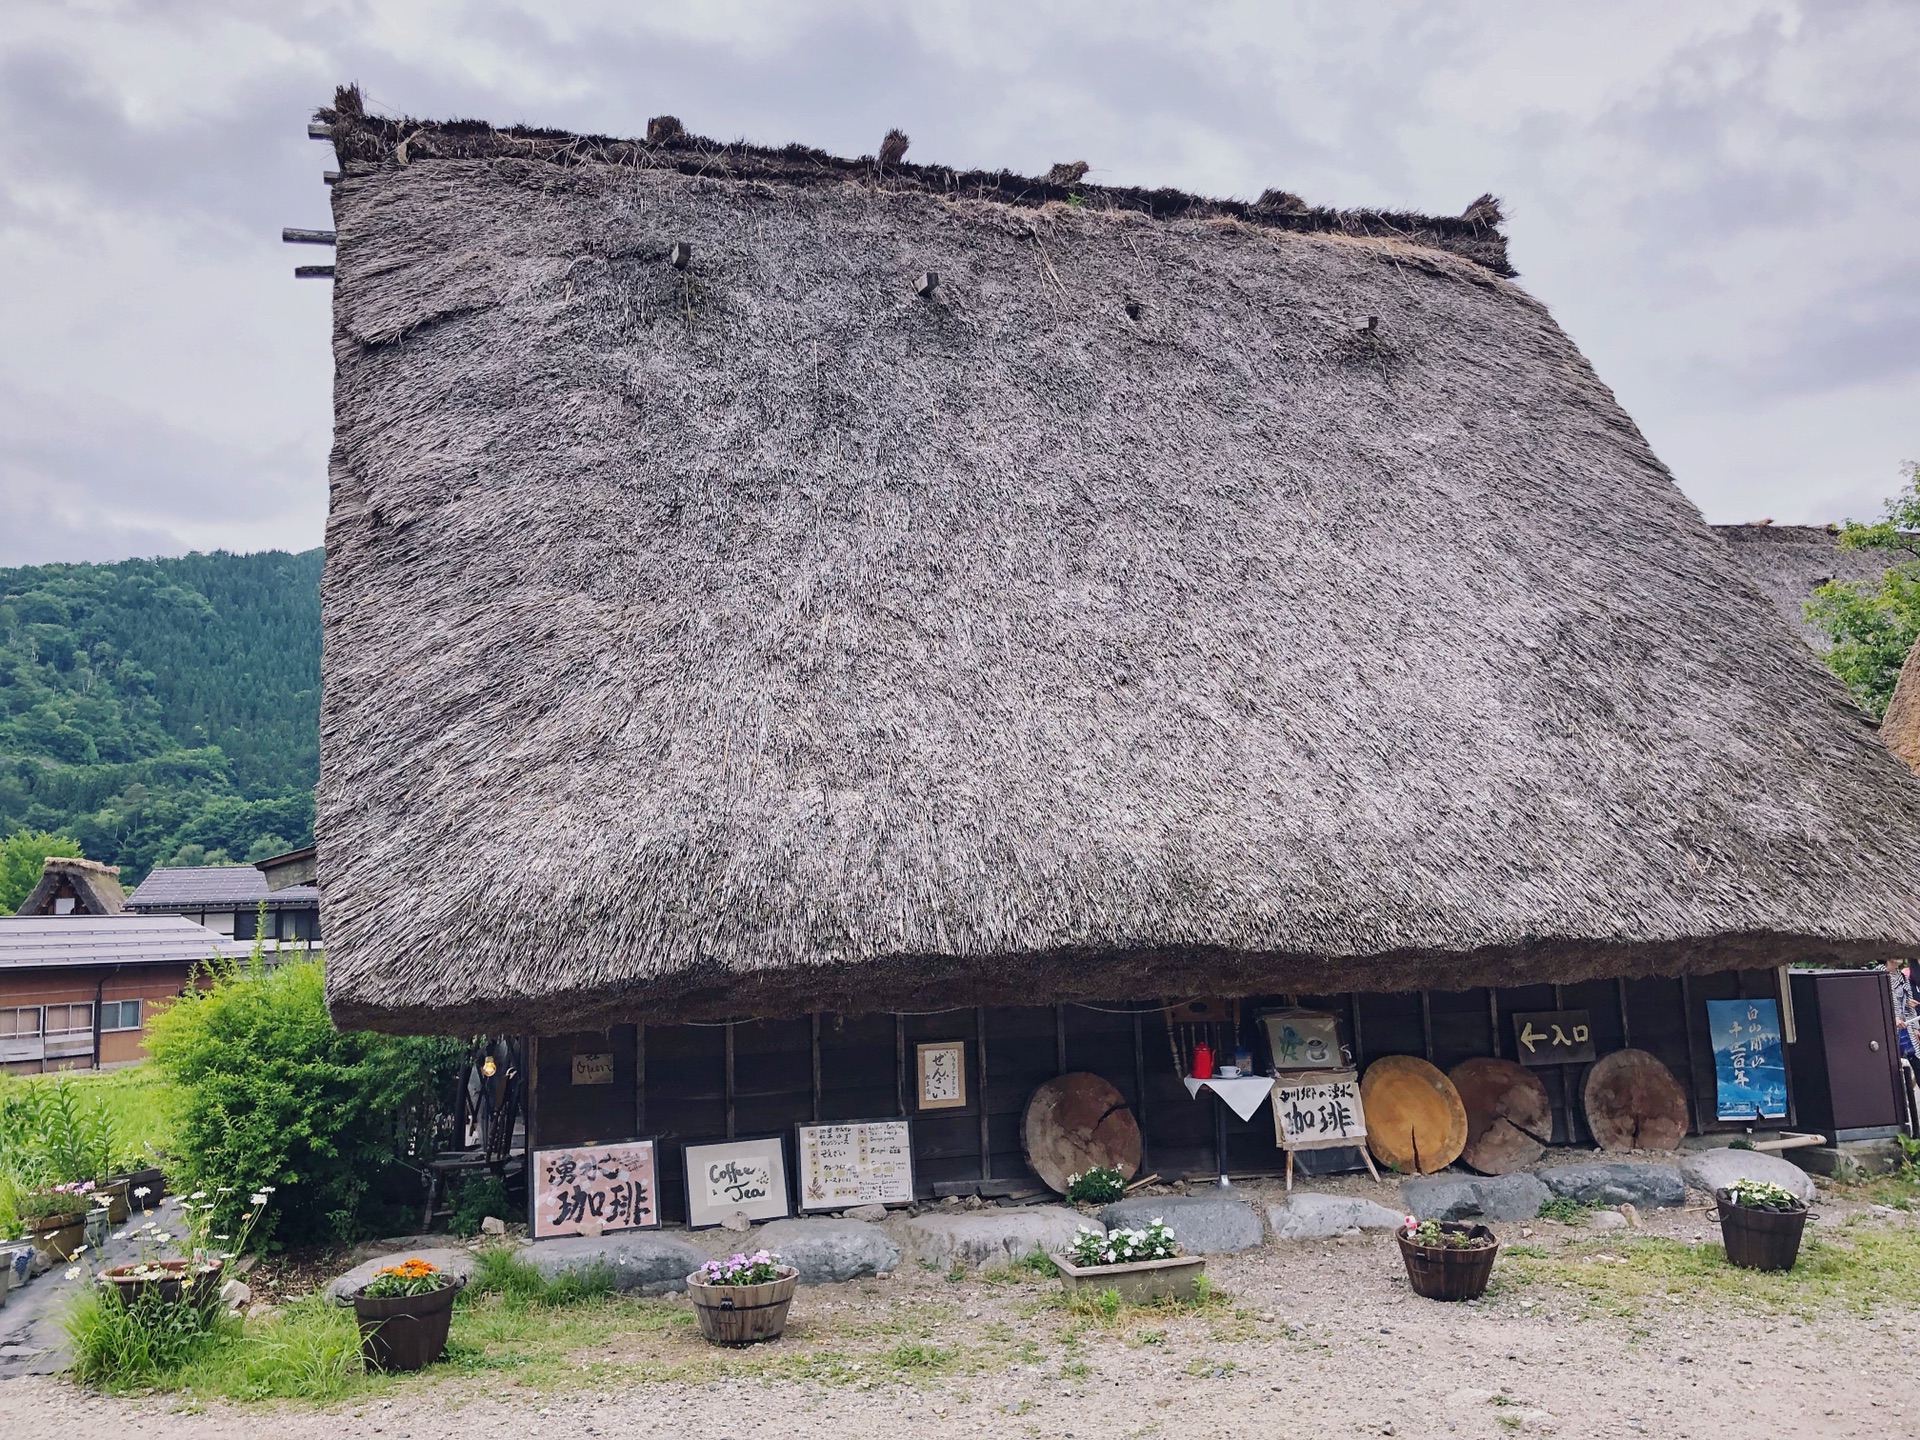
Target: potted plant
<point>55,1217</point>
<point>1140,1265</point>
<point>1445,1259</point>
<point>1100,1185</point>
<point>1761,1224</point>
<point>404,1313</point>
<point>743,1299</point>
<point>194,1276</point>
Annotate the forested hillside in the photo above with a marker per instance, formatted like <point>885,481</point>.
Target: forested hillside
<point>162,710</point>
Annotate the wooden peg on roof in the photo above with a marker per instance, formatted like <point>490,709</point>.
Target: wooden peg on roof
<point>893,149</point>
<point>291,236</point>
<point>926,285</point>
<point>681,255</point>
<point>318,131</point>
<point>313,272</point>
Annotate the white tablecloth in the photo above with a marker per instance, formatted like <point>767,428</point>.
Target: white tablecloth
<point>1244,1094</point>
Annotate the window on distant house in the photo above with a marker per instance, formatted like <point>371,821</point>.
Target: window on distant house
<point>70,1019</point>
<point>63,905</point>
<point>120,1015</point>
<point>20,1022</point>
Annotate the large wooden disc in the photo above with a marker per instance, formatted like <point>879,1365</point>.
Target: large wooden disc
<point>1634,1103</point>
<point>1509,1118</point>
<point>1415,1121</point>
<point>1075,1122</point>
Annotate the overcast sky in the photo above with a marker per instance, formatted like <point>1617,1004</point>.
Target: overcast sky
<point>1720,199</point>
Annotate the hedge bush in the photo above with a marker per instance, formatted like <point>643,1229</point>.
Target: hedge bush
<point>340,1122</point>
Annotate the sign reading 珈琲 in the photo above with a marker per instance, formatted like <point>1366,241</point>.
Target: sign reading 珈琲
<point>593,1189</point>
<point>1553,1037</point>
<point>1317,1112</point>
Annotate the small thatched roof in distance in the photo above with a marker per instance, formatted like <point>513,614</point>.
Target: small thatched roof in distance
<point>1122,615</point>
<point>1790,562</point>
<point>93,888</point>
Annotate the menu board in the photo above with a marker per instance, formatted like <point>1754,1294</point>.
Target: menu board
<point>1318,1112</point>
<point>868,1162</point>
<point>592,1189</point>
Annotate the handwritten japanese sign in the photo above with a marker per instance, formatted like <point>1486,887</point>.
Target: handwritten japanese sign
<point>1317,1112</point>
<point>593,1189</point>
<point>866,1163</point>
<point>943,1075</point>
<point>1750,1075</point>
<point>736,1175</point>
<point>1553,1037</point>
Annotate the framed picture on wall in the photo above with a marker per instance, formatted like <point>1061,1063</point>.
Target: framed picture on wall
<point>860,1162</point>
<point>747,1174</point>
<point>592,1189</point>
<point>942,1070</point>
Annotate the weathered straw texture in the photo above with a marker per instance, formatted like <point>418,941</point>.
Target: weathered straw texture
<point>1789,562</point>
<point>1900,726</point>
<point>764,636</point>
<point>94,888</point>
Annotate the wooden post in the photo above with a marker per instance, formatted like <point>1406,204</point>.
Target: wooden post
<point>639,1077</point>
<point>1059,1039</point>
<point>1353,1015</point>
<point>980,1037</point>
<point>815,1018</point>
<point>900,1064</point>
<point>1493,1022</point>
<point>1426,1024</point>
<point>1140,1089</point>
<point>729,1080</point>
<point>1626,1025</point>
<point>1693,1071</point>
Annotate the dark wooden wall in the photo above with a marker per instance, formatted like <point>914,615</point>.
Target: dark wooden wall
<point>683,1083</point>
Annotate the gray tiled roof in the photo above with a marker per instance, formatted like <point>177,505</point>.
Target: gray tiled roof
<point>241,886</point>
<point>33,942</point>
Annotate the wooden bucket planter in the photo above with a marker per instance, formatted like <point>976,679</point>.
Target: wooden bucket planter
<point>115,1193</point>
<point>135,1282</point>
<point>57,1236</point>
<point>743,1314</point>
<point>1137,1282</point>
<point>405,1332</point>
<point>152,1180</point>
<point>1760,1239</point>
<point>1449,1272</point>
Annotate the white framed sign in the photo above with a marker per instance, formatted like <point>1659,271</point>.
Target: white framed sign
<point>746,1175</point>
<point>861,1162</point>
<point>943,1074</point>
<point>1319,1111</point>
<point>592,1189</point>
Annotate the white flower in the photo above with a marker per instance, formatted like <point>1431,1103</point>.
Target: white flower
<point>258,1197</point>
<point>198,1195</point>
<point>141,1193</point>
<point>267,1188</point>
<point>73,1272</point>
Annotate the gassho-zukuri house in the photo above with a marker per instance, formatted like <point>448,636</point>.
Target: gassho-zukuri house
<point>784,612</point>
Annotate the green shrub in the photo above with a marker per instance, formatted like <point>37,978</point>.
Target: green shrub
<point>269,1093</point>
<point>474,1199</point>
<point>1101,1185</point>
<point>500,1270</point>
<point>1566,1210</point>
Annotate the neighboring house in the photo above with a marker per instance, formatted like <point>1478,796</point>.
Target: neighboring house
<point>227,900</point>
<point>72,886</point>
<point>1790,562</point>
<point>78,991</point>
<point>878,615</point>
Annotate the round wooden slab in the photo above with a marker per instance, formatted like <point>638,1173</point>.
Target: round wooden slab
<point>1075,1122</point>
<point>1509,1119</point>
<point>1634,1103</point>
<point>1415,1121</point>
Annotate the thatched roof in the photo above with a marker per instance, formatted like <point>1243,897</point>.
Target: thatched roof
<point>1121,618</point>
<point>93,888</point>
<point>1790,562</point>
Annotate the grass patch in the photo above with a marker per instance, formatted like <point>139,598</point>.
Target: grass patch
<point>500,1270</point>
<point>1563,1208</point>
<point>1036,1264</point>
<point>1855,1267</point>
<point>1206,1367</point>
<point>308,1350</point>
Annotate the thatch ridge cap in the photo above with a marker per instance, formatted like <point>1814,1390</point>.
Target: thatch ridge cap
<point>361,139</point>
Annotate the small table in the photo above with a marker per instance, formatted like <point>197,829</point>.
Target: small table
<point>1243,1094</point>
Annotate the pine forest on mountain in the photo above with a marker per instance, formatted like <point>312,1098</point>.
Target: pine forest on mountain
<point>162,711</point>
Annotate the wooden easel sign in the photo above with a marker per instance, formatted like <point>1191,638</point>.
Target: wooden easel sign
<point>1319,1110</point>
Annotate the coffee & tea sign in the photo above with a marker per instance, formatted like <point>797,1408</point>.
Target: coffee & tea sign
<point>593,1189</point>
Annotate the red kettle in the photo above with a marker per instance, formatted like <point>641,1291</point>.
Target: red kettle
<point>1202,1060</point>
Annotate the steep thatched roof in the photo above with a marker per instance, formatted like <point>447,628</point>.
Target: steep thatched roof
<point>93,888</point>
<point>1122,617</point>
<point>1789,562</point>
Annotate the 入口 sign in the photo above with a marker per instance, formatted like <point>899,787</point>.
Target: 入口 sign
<point>1553,1037</point>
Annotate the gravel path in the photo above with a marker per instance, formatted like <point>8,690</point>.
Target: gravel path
<point>1324,1339</point>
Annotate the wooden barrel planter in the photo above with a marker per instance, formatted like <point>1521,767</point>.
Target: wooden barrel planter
<point>57,1236</point>
<point>743,1314</point>
<point>1451,1272</point>
<point>167,1280</point>
<point>405,1332</point>
<point>1760,1239</point>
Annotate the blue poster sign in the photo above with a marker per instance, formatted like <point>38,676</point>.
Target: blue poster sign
<point>1747,1063</point>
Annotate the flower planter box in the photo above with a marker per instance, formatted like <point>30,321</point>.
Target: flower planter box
<point>1759,1239</point>
<point>151,1180</point>
<point>1450,1272</point>
<point>405,1332</point>
<point>743,1314</point>
<point>115,1193</point>
<point>1138,1282</point>
<point>166,1279</point>
<point>57,1236</point>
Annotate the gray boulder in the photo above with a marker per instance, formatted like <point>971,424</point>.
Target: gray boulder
<point>1202,1224</point>
<point>1710,1170</point>
<point>642,1262</point>
<point>826,1252</point>
<point>1473,1197</point>
<point>1306,1216</point>
<point>994,1237</point>
<point>454,1261</point>
<point>1617,1182</point>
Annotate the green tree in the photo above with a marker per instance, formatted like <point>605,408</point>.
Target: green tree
<point>339,1122</point>
<point>21,857</point>
<point>1873,623</point>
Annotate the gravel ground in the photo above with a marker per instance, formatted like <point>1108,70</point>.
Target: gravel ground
<point>1322,1338</point>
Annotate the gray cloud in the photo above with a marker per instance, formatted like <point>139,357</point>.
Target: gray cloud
<point>1718,202</point>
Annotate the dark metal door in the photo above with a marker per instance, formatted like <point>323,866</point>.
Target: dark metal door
<point>1856,1020</point>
